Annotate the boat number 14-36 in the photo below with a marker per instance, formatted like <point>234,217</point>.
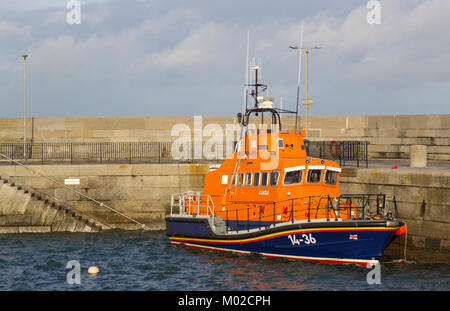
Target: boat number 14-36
<point>306,238</point>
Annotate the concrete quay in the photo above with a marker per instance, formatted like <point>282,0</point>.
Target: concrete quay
<point>142,191</point>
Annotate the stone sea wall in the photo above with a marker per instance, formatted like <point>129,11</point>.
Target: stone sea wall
<point>390,136</point>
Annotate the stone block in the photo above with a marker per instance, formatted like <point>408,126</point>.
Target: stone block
<point>103,182</point>
<point>327,122</point>
<point>105,194</point>
<point>356,122</point>
<point>433,243</point>
<point>152,182</point>
<point>118,169</point>
<point>418,156</point>
<point>93,170</point>
<point>15,220</point>
<point>153,169</point>
<point>65,195</point>
<point>193,169</point>
<point>13,229</point>
<point>34,229</point>
<point>377,122</point>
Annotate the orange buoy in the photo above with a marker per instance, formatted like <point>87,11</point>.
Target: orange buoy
<point>93,270</point>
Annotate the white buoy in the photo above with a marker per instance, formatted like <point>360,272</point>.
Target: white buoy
<point>93,270</point>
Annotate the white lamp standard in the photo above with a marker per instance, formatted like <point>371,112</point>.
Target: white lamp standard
<point>24,104</point>
<point>306,101</point>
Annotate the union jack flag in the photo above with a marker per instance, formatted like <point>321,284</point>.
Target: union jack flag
<point>353,237</point>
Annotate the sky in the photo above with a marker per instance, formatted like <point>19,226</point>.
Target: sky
<point>184,58</point>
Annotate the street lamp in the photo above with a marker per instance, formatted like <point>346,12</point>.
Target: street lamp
<point>306,101</point>
<point>24,104</point>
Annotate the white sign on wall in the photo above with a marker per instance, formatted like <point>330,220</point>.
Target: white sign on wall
<point>72,181</point>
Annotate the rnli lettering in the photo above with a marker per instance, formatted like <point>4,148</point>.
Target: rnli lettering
<point>265,192</point>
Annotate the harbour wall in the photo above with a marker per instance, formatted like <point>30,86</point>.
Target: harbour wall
<point>390,136</point>
<point>423,202</point>
<point>142,191</point>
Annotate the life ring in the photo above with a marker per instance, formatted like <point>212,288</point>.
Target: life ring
<point>336,147</point>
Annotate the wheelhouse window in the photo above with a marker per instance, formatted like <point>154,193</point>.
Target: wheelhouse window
<point>331,177</point>
<point>293,177</point>
<point>241,179</point>
<point>256,179</point>
<point>264,176</point>
<point>274,178</point>
<point>248,179</point>
<point>314,176</point>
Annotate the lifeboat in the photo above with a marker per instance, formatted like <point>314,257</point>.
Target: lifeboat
<point>270,198</point>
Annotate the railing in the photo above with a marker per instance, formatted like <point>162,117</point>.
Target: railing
<point>348,153</point>
<point>192,203</point>
<point>55,182</point>
<point>260,215</point>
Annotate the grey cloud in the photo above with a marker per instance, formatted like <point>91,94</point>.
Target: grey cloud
<point>184,58</point>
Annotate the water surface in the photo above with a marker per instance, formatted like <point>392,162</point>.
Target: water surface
<point>147,261</point>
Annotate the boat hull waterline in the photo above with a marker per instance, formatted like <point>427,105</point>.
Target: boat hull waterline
<point>359,243</point>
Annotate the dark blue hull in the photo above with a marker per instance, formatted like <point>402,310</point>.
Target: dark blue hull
<point>360,242</point>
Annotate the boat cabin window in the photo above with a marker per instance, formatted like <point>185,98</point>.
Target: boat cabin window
<point>256,179</point>
<point>274,178</point>
<point>241,179</point>
<point>248,179</point>
<point>331,177</point>
<point>264,176</point>
<point>314,176</point>
<point>294,177</point>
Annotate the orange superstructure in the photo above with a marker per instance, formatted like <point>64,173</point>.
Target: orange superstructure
<point>272,180</point>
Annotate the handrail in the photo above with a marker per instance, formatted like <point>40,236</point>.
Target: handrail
<point>143,226</point>
<point>270,213</point>
<point>356,206</point>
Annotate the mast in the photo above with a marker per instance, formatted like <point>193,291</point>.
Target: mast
<point>299,70</point>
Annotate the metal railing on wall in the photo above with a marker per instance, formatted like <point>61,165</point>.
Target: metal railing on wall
<point>347,153</point>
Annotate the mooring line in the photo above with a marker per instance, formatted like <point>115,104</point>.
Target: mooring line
<point>101,204</point>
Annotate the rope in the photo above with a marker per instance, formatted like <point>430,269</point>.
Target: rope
<point>406,241</point>
<point>101,204</point>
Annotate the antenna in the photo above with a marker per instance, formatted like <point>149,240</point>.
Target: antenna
<point>245,100</point>
<point>299,70</point>
<point>260,69</point>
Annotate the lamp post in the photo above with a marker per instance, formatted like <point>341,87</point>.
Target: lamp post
<point>306,101</point>
<point>24,104</point>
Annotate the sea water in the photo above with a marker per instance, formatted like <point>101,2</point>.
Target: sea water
<point>131,260</point>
